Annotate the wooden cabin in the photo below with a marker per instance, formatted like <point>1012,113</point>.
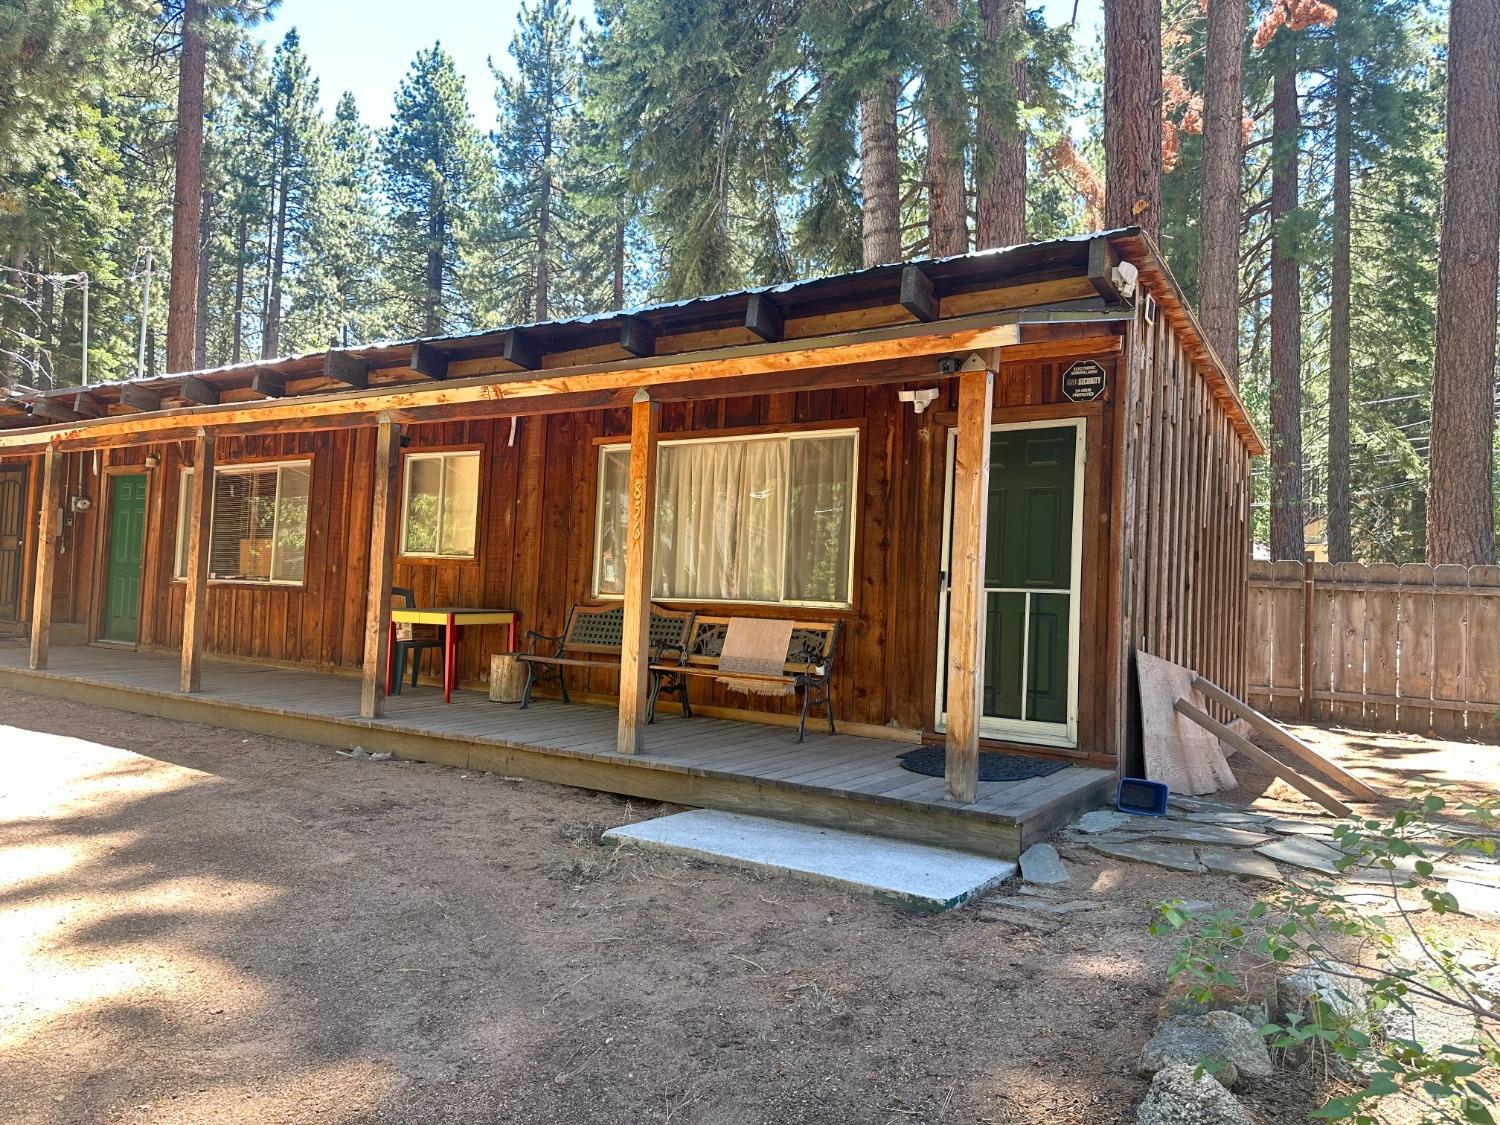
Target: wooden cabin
<point>998,474</point>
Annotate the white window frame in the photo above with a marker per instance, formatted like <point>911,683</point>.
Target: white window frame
<point>443,455</point>
<point>184,500</point>
<point>787,436</point>
<point>1029,731</point>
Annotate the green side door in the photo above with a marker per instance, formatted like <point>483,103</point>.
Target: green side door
<point>127,541</point>
<point>1029,574</point>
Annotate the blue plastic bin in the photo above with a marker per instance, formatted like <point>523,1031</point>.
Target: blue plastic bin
<point>1141,797</point>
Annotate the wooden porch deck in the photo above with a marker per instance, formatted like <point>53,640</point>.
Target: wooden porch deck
<point>843,781</point>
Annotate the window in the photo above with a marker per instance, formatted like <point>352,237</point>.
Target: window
<point>760,519</point>
<point>259,528</point>
<point>442,505</point>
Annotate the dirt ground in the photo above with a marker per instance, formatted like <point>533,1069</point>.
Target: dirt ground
<point>200,926</point>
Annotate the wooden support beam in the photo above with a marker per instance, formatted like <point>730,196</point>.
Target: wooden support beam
<point>382,569</point>
<point>604,384</point>
<point>345,368</point>
<point>637,337</point>
<point>1075,347</point>
<point>195,600</point>
<point>46,557</point>
<point>428,360</point>
<point>87,405</point>
<point>521,349</point>
<point>1284,738</point>
<point>764,317</point>
<point>1102,261</point>
<point>640,538</point>
<point>54,410</point>
<point>139,398</point>
<point>918,294</point>
<point>1260,758</point>
<point>966,608</point>
<point>268,384</point>
<point>200,391</point>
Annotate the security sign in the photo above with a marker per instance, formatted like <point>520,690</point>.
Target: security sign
<point>1084,381</point>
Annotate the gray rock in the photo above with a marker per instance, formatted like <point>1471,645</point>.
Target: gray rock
<point>1040,863</point>
<point>1178,1096</point>
<point>382,756</point>
<point>1475,898</point>
<point>1346,1000</point>
<point>1301,851</point>
<point>1216,1036</point>
<point>1200,833</point>
<point>1242,863</point>
<point>1101,820</point>
<point>1179,857</point>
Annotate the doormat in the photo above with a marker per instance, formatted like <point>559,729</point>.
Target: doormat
<point>993,766</point>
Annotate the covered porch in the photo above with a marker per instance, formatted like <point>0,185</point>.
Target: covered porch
<point>844,781</point>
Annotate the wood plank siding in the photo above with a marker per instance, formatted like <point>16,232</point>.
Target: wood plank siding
<point>534,551</point>
<point>1164,522</point>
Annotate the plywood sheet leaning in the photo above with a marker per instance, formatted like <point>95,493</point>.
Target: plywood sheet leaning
<point>1178,752</point>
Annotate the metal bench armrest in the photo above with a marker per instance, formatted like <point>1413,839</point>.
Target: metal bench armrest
<point>533,637</point>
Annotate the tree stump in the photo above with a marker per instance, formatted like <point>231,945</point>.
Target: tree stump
<point>507,678</point>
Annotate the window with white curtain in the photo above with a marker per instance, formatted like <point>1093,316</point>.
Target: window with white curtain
<point>259,528</point>
<point>441,505</point>
<point>757,519</point>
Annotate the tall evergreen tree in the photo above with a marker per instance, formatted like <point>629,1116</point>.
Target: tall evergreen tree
<point>1132,114</point>
<point>435,171</point>
<point>945,113</point>
<point>1219,184</point>
<point>1000,154</point>
<point>550,251</point>
<point>353,227</point>
<point>1461,513</point>
<point>1287,516</point>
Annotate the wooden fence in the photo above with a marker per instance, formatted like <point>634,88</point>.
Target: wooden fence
<point>1413,648</point>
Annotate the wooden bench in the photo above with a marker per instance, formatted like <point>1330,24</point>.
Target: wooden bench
<point>591,638</point>
<point>808,668</point>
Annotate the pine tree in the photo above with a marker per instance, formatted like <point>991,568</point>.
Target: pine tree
<point>435,171</point>
<point>294,133</point>
<point>700,98</point>
<point>1000,155</point>
<point>1287,516</point>
<point>352,225</point>
<point>945,112</point>
<point>1461,513</point>
<point>1132,114</point>
<point>548,248</point>
<point>1219,193</point>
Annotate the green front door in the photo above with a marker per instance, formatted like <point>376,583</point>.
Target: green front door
<point>127,539</point>
<point>1029,579</point>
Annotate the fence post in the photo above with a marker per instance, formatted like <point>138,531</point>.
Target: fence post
<point>1307,636</point>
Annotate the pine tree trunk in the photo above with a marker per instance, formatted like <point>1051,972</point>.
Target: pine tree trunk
<point>432,304</point>
<point>1000,192</point>
<point>1461,520</point>
<point>205,283</point>
<point>1340,539</point>
<point>241,248</point>
<point>1219,185</point>
<point>880,174</point>
<point>48,320</point>
<point>947,202</point>
<point>618,297</point>
<point>1132,114</point>
<point>270,344</point>
<point>1286,327</point>
<point>544,226</point>
<point>187,187</point>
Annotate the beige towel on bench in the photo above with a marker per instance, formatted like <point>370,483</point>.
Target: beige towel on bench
<point>757,646</point>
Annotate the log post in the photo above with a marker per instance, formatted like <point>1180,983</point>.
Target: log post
<point>195,601</point>
<point>46,556</point>
<point>971,479</point>
<point>382,568</point>
<point>635,647</point>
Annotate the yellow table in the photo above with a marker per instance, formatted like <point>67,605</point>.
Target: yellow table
<point>452,619</point>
